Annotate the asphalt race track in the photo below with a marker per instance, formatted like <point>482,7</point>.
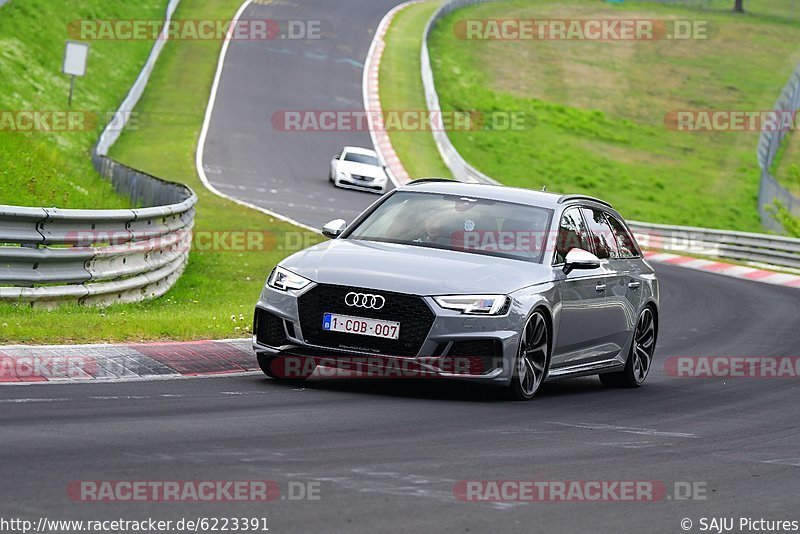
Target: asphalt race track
<point>387,454</point>
<point>246,156</point>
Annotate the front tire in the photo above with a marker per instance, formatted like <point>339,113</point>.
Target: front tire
<point>640,358</point>
<point>533,358</point>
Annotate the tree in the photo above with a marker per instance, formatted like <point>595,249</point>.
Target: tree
<point>738,7</point>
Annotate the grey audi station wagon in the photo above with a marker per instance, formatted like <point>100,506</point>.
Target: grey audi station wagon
<point>505,286</point>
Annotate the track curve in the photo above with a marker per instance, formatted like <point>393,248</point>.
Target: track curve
<point>246,157</point>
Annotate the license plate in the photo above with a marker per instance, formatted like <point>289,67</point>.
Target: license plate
<point>360,325</point>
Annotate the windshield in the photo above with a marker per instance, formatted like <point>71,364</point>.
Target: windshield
<point>361,158</point>
<point>460,223</point>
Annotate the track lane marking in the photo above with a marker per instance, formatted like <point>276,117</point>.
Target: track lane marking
<point>25,401</point>
<point>627,429</point>
<point>201,142</point>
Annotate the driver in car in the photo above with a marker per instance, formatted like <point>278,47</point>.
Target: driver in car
<point>436,229</point>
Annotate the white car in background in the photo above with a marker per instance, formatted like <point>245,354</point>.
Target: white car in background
<point>359,168</point>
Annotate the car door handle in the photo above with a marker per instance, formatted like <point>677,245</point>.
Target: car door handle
<point>600,287</point>
<point>634,285</point>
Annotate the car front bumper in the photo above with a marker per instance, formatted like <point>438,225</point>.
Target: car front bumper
<point>458,346</point>
<point>376,186</point>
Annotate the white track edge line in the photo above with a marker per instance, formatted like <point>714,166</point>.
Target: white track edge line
<point>201,142</point>
<point>145,378</point>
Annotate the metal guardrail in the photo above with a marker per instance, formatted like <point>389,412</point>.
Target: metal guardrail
<point>741,247</point>
<point>736,246</point>
<point>50,256</point>
<point>92,256</point>
<point>461,170</point>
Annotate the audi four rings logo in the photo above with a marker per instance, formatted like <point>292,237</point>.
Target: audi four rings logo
<point>364,300</point>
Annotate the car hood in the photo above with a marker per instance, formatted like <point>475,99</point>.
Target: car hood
<point>362,169</point>
<point>412,269</point>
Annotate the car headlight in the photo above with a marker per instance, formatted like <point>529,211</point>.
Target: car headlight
<point>473,304</point>
<point>283,280</point>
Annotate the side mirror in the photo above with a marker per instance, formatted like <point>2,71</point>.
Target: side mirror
<point>577,258</point>
<point>334,228</point>
<point>336,156</point>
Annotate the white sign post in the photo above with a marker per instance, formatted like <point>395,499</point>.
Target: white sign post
<point>75,55</point>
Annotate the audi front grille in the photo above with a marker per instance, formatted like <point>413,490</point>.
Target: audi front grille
<point>413,314</point>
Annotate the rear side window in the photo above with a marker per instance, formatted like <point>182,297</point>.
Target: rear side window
<point>605,243</point>
<point>572,233</point>
<point>625,242</point>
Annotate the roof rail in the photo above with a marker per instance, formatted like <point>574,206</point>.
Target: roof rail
<point>428,180</point>
<point>567,198</point>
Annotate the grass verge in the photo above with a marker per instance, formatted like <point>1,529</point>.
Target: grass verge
<point>236,247</point>
<point>787,168</point>
<point>401,89</point>
<point>41,168</point>
<point>595,110</point>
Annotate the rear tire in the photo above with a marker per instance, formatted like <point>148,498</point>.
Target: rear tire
<point>280,368</point>
<point>640,357</point>
<point>533,358</point>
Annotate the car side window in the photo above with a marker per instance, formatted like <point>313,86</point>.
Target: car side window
<point>605,244</point>
<point>572,233</point>
<point>627,246</point>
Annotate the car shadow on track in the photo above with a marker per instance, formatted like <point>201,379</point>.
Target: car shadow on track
<point>438,389</point>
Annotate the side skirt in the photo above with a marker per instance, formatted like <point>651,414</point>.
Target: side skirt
<point>586,369</point>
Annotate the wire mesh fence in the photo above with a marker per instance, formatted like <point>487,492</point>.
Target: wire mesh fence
<point>770,191</point>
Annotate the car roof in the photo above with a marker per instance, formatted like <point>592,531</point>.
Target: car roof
<point>501,193</point>
<point>358,150</point>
